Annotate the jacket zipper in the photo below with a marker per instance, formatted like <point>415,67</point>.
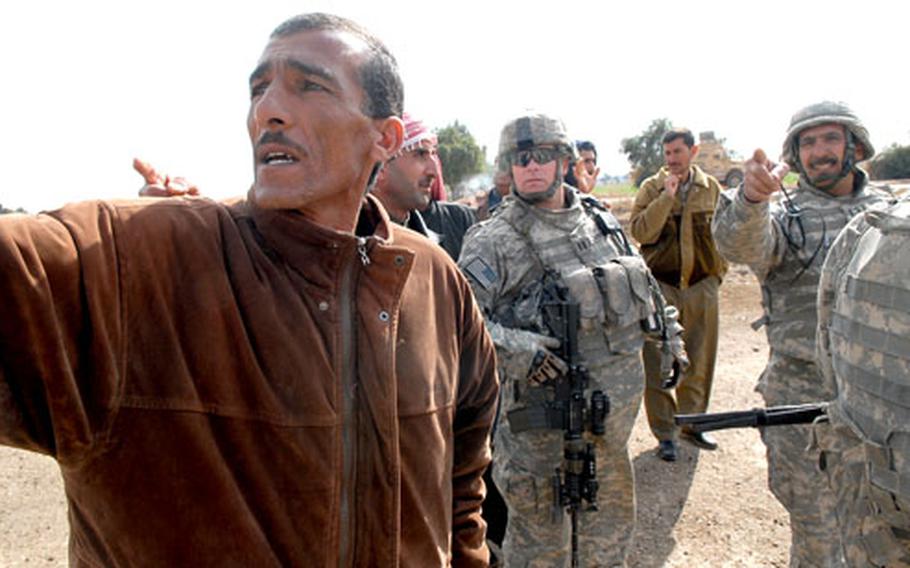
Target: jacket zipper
<point>349,405</point>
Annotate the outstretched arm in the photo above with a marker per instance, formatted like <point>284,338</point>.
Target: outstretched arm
<point>60,329</point>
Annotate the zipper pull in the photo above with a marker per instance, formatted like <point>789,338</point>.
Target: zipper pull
<point>362,251</point>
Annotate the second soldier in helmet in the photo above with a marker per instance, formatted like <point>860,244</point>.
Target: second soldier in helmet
<point>784,237</point>
<point>547,228</point>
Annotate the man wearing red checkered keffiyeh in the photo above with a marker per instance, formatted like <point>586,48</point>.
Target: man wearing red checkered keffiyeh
<point>405,187</point>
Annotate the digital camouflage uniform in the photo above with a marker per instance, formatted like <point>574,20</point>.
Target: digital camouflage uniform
<point>512,249</point>
<point>784,242</point>
<point>505,259</point>
<point>864,346</point>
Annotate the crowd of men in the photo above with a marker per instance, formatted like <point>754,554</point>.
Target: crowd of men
<point>304,377</point>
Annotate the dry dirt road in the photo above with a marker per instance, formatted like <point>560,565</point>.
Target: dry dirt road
<point>707,509</point>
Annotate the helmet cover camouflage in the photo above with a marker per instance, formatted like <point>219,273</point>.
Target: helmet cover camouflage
<point>825,112</point>
<point>529,130</point>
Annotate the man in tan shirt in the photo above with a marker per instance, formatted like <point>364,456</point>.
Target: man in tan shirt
<point>671,220</point>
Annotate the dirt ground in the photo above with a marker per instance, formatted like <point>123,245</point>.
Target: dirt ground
<point>707,509</point>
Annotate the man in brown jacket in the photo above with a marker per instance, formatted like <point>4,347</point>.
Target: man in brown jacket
<point>671,219</point>
<point>288,380</point>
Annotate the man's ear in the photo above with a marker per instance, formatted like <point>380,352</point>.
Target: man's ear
<point>693,151</point>
<point>860,153</point>
<point>391,137</point>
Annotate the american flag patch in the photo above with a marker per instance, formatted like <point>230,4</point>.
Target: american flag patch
<point>481,272</point>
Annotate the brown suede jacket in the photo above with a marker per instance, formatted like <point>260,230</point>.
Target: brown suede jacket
<point>229,386</point>
<point>675,237</point>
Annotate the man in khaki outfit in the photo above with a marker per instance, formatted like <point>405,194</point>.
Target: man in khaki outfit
<point>671,220</point>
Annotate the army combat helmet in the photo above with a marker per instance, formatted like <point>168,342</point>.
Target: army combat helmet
<point>827,112</point>
<point>530,130</point>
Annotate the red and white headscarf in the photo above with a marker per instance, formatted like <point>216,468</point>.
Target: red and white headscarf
<point>415,132</point>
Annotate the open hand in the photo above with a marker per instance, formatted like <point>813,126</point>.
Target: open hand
<point>586,182</point>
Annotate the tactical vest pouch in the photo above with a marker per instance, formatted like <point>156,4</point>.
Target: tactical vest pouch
<point>889,493</point>
<point>585,290</point>
<point>623,284</point>
<point>883,460</point>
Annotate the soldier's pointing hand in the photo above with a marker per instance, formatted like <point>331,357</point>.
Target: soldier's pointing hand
<point>763,177</point>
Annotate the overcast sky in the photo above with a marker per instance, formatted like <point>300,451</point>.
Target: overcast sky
<point>88,85</point>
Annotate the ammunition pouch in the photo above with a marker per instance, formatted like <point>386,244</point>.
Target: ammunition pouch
<point>628,304</point>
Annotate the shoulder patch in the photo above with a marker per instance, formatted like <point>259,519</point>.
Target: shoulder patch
<point>481,272</point>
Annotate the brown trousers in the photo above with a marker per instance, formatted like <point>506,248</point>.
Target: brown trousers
<point>698,314</point>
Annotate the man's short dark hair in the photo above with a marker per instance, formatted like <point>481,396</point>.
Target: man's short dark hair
<point>582,145</point>
<point>379,75</point>
<point>677,133</point>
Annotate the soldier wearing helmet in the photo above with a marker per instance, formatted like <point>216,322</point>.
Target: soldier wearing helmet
<point>783,236</point>
<point>546,231</point>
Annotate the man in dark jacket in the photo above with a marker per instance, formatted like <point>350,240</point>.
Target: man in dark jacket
<point>291,379</point>
<point>404,188</point>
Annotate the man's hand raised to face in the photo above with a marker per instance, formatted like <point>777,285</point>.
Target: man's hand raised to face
<point>671,184</point>
<point>157,185</point>
<point>586,182</point>
<point>763,177</point>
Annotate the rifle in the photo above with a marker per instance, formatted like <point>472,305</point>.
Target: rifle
<point>757,417</point>
<point>576,482</point>
<point>557,402</point>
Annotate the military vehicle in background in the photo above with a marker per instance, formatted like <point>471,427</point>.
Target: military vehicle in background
<point>714,159</point>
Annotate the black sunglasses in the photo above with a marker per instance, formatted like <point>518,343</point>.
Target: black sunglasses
<point>539,155</point>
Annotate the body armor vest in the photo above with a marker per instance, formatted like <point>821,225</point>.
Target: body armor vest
<point>870,344</point>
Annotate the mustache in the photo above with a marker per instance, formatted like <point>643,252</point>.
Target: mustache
<point>825,161</point>
<point>277,137</point>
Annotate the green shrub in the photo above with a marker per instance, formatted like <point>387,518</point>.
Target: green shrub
<point>892,163</point>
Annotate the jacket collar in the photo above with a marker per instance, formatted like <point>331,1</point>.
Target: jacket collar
<point>294,236</point>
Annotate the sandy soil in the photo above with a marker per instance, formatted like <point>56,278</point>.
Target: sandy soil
<point>707,509</point>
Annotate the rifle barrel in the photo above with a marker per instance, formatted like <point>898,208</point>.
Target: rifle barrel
<point>771,416</point>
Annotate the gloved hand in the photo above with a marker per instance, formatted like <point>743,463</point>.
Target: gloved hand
<point>675,360</point>
<point>526,352</point>
<point>545,367</point>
